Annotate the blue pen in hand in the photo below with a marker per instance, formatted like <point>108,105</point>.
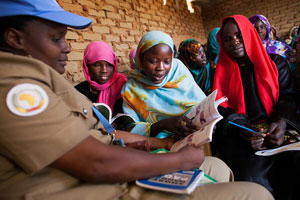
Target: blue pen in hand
<point>244,127</point>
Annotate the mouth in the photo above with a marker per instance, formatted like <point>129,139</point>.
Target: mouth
<point>237,49</point>
<point>63,62</point>
<point>158,77</point>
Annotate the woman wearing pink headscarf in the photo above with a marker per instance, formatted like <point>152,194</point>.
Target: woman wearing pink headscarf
<point>103,84</point>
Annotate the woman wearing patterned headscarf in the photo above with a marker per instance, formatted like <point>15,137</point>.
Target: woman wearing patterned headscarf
<point>160,90</point>
<point>103,84</point>
<point>263,28</point>
<point>192,54</point>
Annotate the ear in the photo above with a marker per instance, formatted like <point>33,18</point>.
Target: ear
<point>14,38</point>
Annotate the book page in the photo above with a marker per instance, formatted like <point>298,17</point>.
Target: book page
<point>104,110</point>
<point>205,115</point>
<point>291,143</point>
<point>206,111</point>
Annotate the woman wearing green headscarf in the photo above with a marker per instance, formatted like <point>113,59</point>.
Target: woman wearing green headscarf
<point>192,54</point>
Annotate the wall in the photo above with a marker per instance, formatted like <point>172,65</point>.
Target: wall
<point>122,23</point>
<point>283,14</point>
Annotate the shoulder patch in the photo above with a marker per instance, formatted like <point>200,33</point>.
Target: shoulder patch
<point>27,100</point>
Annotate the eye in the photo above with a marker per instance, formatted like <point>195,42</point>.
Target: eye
<point>153,61</point>
<point>168,61</point>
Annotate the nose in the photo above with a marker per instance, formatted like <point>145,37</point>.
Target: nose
<point>160,66</point>
<point>103,67</point>
<point>66,48</point>
<point>235,40</point>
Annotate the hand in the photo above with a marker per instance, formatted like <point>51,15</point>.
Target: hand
<point>275,134</point>
<point>192,157</point>
<point>141,145</point>
<point>255,140</point>
<point>180,125</point>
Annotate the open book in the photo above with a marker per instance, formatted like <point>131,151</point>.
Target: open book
<point>291,143</point>
<point>205,115</point>
<point>121,121</point>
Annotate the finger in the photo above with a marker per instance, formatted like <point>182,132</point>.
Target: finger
<point>272,128</point>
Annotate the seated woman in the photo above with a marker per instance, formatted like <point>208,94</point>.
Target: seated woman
<point>264,30</point>
<point>259,91</point>
<point>213,47</point>
<point>160,90</point>
<point>103,84</point>
<point>131,58</point>
<point>192,54</point>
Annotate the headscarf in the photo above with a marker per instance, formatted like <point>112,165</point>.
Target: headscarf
<point>228,79</point>
<point>132,55</point>
<point>110,91</point>
<point>148,102</point>
<point>188,50</point>
<point>213,46</point>
<point>273,46</point>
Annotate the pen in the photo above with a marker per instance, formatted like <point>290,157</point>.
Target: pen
<point>248,129</point>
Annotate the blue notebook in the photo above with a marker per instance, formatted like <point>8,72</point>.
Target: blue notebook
<point>181,182</point>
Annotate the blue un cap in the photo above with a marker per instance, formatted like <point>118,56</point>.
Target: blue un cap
<point>45,9</point>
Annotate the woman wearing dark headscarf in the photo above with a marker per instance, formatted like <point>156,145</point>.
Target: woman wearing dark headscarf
<point>192,54</point>
<point>259,89</point>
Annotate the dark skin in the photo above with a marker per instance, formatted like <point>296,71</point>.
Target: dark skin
<point>157,62</point>
<point>92,160</point>
<point>261,29</point>
<point>101,71</point>
<point>234,46</point>
<point>201,59</point>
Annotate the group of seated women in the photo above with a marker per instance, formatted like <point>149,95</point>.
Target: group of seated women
<point>242,62</point>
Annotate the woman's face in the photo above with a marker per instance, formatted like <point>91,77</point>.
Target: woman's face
<point>200,59</point>
<point>45,41</point>
<point>101,71</point>
<point>261,29</point>
<point>233,40</point>
<point>157,62</point>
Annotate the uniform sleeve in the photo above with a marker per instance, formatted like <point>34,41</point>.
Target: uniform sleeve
<point>34,142</point>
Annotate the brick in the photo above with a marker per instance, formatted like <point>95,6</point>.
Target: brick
<point>67,1</point>
<point>107,22</point>
<point>145,16</point>
<point>113,2</point>
<point>72,35</point>
<point>112,38</point>
<point>75,56</point>
<point>72,67</point>
<point>90,4</point>
<point>120,53</point>
<point>97,13</point>
<point>126,25</point>
<point>91,36</point>
<point>129,19</point>
<point>128,39</point>
<point>118,31</point>
<point>108,8</point>
<point>113,15</point>
<point>121,46</point>
<point>144,21</point>
<point>134,32</point>
<point>101,29</point>
<point>73,7</point>
<point>78,46</point>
